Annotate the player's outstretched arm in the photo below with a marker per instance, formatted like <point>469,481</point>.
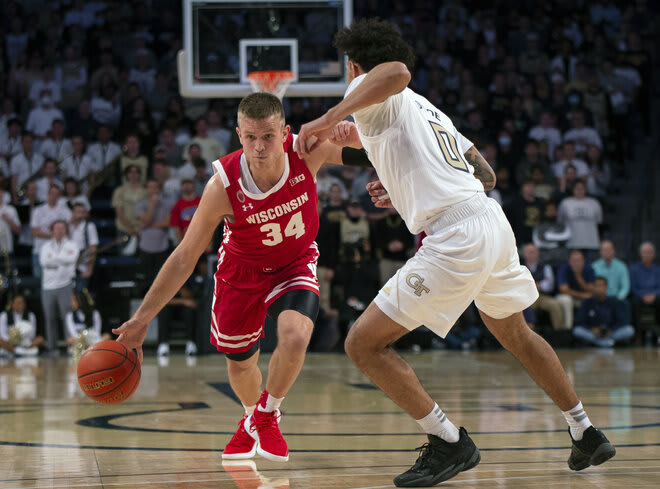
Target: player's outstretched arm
<point>382,81</point>
<point>482,170</point>
<point>213,206</point>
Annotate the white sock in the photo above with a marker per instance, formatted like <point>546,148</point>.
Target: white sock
<point>436,423</point>
<point>577,420</point>
<point>249,409</point>
<point>272,403</point>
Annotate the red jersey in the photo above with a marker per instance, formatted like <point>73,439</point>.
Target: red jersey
<point>182,213</point>
<point>269,230</point>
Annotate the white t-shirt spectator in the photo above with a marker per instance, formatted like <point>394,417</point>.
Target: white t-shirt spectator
<point>56,150</point>
<point>105,112</point>
<point>42,218</point>
<point>25,167</point>
<point>43,186</point>
<point>84,235</point>
<point>39,85</point>
<point>58,262</point>
<point>103,154</point>
<point>78,168</point>
<point>581,167</point>
<point>583,137</point>
<point>40,120</point>
<point>582,217</point>
<point>550,135</point>
<point>6,235</point>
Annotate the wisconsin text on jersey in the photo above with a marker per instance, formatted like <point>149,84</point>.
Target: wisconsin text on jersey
<point>278,210</point>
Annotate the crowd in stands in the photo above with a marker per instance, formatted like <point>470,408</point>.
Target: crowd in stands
<point>98,150</point>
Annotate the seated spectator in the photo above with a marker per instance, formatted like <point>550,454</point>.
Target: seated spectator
<point>582,215</point>
<point>40,119</point>
<point>546,188</point>
<point>136,119</point>
<point>217,131</point>
<point>134,157</point>
<point>325,180</point>
<point>201,176</point>
<point>153,212</point>
<point>49,177</point>
<point>71,74</point>
<point>86,237</point>
<point>581,134</point>
<point>104,154</point>
<point>600,174</point>
<point>46,84</point>
<point>11,144</point>
<point>56,147</point>
<point>603,320</point>
<point>73,196</point>
<point>546,131</point>
<point>83,317</point>
<point>210,147</point>
<point>545,284</point>
<point>394,244</point>
<point>79,166</point>
<point>82,122</point>
<point>25,323</point>
<point>10,225</point>
<point>525,212</point>
<point>645,288</point>
<point>24,165</point>
<point>569,158</point>
<point>162,172</point>
<point>187,168</point>
<point>173,150</point>
<point>124,199</point>
<point>614,270</point>
<point>105,107</point>
<point>575,280</point>
<point>184,209</point>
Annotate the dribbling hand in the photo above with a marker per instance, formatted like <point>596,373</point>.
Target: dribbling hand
<point>379,195</point>
<point>132,334</point>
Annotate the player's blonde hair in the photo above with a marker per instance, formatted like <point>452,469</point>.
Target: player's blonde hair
<point>259,106</point>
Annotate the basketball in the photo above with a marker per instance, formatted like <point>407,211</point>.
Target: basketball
<point>108,372</point>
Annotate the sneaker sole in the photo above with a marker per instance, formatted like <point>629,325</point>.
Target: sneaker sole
<point>603,453</point>
<point>447,474</point>
<point>240,456</point>
<point>271,456</point>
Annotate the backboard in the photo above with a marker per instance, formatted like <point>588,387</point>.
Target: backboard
<point>225,40</point>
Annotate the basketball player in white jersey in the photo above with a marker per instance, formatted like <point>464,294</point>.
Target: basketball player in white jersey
<point>436,179</point>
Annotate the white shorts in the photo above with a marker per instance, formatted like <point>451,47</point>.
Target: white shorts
<point>469,254</point>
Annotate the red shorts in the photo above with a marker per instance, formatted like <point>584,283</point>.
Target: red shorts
<point>243,294</point>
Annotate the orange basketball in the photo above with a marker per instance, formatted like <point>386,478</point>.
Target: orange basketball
<point>108,372</point>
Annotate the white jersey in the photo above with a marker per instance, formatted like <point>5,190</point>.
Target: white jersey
<point>418,155</point>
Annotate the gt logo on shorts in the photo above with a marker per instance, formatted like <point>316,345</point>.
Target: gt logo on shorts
<point>416,282</point>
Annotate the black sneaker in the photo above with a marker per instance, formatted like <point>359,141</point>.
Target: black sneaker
<point>440,460</point>
<point>593,449</point>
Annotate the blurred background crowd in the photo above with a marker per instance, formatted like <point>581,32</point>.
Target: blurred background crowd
<point>102,165</point>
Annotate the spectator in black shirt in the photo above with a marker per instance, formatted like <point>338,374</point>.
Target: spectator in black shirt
<point>525,212</point>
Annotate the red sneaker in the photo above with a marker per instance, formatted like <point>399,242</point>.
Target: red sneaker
<point>271,442</point>
<point>242,444</point>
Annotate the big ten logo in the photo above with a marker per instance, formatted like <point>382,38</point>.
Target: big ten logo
<point>293,181</point>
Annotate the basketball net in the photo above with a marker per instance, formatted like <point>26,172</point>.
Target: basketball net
<point>275,82</point>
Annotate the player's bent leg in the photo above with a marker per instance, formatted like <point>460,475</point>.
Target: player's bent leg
<point>245,379</point>
<point>542,363</point>
<point>536,355</point>
<point>368,345</point>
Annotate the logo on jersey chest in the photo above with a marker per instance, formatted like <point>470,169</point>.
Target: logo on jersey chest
<point>295,180</point>
<point>247,206</point>
<point>241,198</point>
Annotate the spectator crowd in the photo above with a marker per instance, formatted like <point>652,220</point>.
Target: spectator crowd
<point>100,155</point>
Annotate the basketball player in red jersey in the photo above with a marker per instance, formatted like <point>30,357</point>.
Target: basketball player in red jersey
<point>267,261</point>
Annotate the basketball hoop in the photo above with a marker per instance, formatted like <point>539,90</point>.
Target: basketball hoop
<point>275,82</point>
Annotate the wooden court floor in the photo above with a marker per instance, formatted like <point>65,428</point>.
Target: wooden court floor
<point>342,432</point>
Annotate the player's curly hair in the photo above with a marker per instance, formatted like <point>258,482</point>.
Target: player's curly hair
<point>370,42</point>
<point>260,105</point>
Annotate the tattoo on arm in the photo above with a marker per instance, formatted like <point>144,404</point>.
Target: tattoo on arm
<point>482,170</point>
